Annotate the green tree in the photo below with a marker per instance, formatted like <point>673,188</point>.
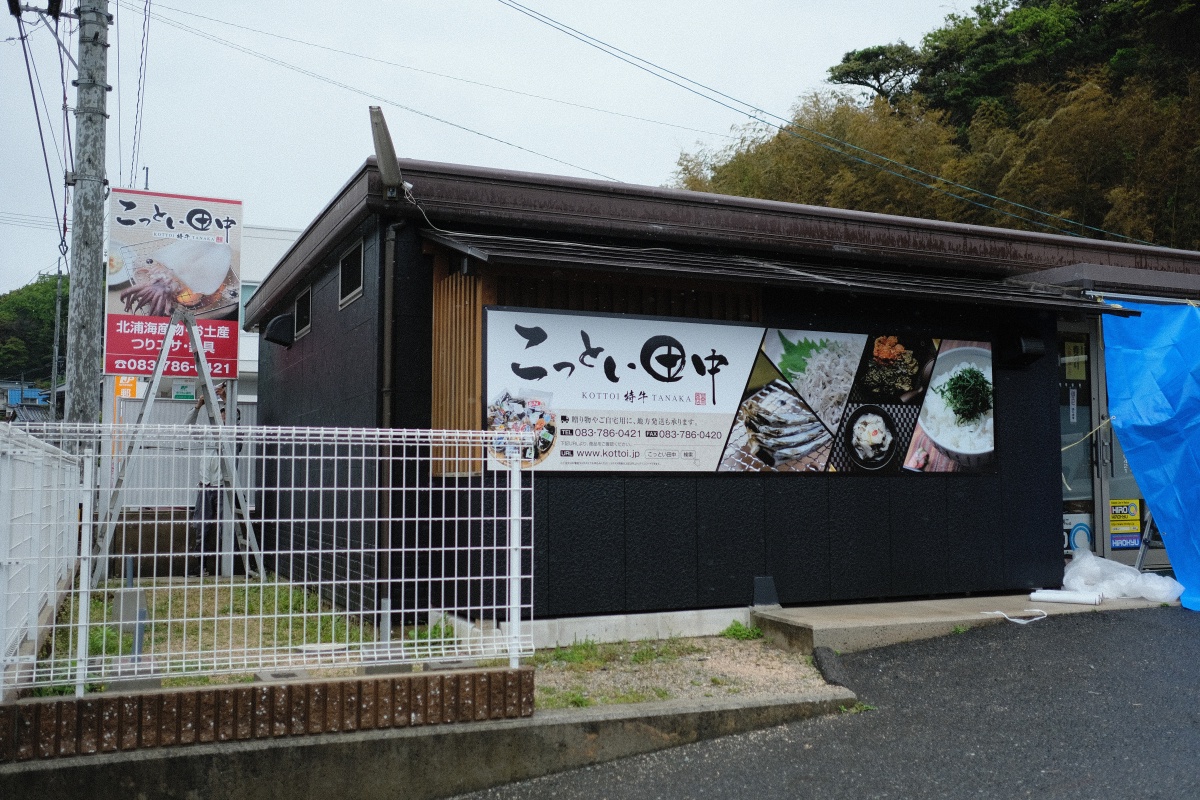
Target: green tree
<point>809,162</point>
<point>985,55</point>
<point>27,330</point>
<point>888,69</point>
<point>1086,109</point>
<point>980,57</point>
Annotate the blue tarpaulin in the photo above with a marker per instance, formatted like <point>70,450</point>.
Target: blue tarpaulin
<point>1153,365</point>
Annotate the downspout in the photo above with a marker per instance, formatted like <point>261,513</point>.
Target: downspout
<point>389,321</point>
<point>386,477</point>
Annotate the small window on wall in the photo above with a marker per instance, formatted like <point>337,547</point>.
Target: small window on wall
<point>303,313</point>
<point>351,276</point>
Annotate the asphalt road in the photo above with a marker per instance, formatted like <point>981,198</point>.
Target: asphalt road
<point>1093,705</point>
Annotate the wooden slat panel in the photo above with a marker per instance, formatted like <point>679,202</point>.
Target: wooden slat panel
<point>457,359</point>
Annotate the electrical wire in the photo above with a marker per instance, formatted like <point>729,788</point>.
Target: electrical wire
<point>444,75</point>
<point>63,247</point>
<point>41,133</point>
<point>21,34</point>
<point>339,84</point>
<point>120,103</point>
<point>138,112</point>
<point>787,126</point>
<point>34,221</point>
<point>650,68</point>
<point>41,93</point>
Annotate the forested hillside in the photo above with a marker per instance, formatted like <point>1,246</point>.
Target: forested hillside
<point>1086,109</point>
<point>27,331</point>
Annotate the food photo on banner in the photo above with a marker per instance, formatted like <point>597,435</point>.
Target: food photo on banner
<point>169,251</point>
<point>620,393</point>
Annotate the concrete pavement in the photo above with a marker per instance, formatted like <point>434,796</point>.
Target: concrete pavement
<point>1081,706</point>
<point>860,626</point>
<point>440,761</point>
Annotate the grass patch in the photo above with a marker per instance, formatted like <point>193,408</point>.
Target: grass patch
<point>960,629</point>
<point>586,655</point>
<point>857,708</point>
<point>589,655</point>
<point>549,698</point>
<point>231,619</point>
<point>207,680</point>
<point>433,639</point>
<point>742,633</point>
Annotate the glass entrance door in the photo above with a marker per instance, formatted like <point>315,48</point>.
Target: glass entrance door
<point>1076,403</point>
<point>1102,505</point>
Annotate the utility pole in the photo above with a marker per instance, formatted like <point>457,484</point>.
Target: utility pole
<point>85,321</point>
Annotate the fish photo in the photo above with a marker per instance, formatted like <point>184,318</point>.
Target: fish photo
<point>820,366</point>
<point>775,431</point>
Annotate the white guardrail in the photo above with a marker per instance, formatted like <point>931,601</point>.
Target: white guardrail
<point>195,550</point>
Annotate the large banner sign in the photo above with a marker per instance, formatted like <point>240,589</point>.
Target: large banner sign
<point>167,251</point>
<point>619,393</point>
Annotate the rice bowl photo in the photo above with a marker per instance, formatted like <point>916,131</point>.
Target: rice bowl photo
<point>957,414</point>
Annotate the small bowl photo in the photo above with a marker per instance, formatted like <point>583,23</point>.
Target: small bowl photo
<point>870,438</point>
<point>970,446</point>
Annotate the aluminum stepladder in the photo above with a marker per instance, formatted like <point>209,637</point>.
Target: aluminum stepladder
<point>1151,540</point>
<point>235,494</point>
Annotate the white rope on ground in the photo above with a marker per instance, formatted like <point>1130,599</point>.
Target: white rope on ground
<point>1020,620</point>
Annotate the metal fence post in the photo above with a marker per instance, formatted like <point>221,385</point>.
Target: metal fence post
<point>514,556</point>
<point>85,571</point>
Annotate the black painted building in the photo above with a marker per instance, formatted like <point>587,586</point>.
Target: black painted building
<point>381,307</point>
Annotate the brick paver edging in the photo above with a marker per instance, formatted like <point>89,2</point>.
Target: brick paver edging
<point>42,728</point>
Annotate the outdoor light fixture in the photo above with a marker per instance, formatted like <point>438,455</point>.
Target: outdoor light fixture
<point>385,153</point>
<point>280,330</point>
<point>1020,349</point>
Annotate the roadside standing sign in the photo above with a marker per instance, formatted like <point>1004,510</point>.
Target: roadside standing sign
<point>169,251</point>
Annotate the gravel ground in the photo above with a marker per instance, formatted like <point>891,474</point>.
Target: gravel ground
<point>675,669</point>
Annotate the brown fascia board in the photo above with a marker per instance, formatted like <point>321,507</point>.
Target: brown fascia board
<point>481,198</point>
<point>1106,276</point>
<point>551,204</point>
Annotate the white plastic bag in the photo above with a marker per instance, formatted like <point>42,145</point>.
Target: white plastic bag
<point>1088,572</point>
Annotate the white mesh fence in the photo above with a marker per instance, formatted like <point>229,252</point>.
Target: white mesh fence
<point>168,550</point>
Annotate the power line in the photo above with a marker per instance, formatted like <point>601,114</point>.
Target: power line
<point>135,151</point>
<point>37,76</point>
<point>120,104</point>
<point>67,144</point>
<point>37,222</point>
<point>37,115</point>
<point>662,73</point>
<point>369,95</point>
<point>444,75</point>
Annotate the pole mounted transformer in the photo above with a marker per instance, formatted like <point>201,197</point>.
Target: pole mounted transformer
<point>85,329</point>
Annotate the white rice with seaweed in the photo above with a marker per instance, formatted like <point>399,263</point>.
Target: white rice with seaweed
<point>940,422</point>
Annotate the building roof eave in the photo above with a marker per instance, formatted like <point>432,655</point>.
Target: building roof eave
<point>484,199</point>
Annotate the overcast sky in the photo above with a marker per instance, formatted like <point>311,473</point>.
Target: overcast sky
<point>284,134</point>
